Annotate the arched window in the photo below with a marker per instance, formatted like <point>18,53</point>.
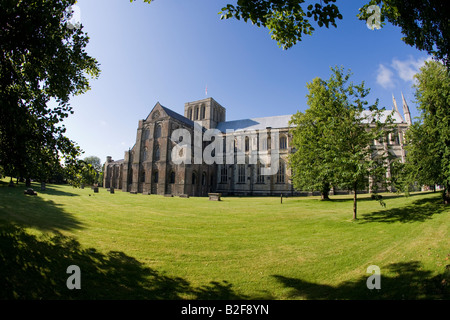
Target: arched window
<point>262,142</point>
<point>281,172</point>
<point>189,114</point>
<point>144,154</point>
<point>157,153</point>
<point>146,134</point>
<point>203,178</point>
<point>157,131</point>
<point>247,144</point>
<point>196,113</point>
<point>143,176</point>
<point>194,178</point>
<point>259,175</point>
<point>223,174</point>
<point>172,177</point>
<point>202,112</point>
<point>241,173</point>
<point>283,142</point>
<point>155,176</point>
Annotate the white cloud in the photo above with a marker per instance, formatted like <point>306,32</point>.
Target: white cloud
<point>399,69</point>
<point>406,69</point>
<point>385,77</point>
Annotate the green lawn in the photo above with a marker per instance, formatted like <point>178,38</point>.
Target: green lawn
<point>153,247</point>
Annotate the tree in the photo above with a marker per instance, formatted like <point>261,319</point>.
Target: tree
<point>80,173</point>
<point>96,165</point>
<point>95,162</point>
<point>333,138</point>
<point>424,23</point>
<point>42,58</point>
<point>428,140</point>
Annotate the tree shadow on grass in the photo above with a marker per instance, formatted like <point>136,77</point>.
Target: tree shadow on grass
<point>411,282</point>
<point>363,197</point>
<point>34,211</point>
<point>419,210</point>
<point>34,267</point>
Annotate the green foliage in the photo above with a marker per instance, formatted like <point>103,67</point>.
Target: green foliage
<point>80,173</point>
<point>428,140</point>
<point>333,137</point>
<point>286,20</point>
<point>41,60</point>
<point>95,162</point>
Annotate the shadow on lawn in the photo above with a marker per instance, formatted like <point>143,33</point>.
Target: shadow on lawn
<point>35,268</point>
<point>34,211</point>
<point>411,282</point>
<point>419,210</point>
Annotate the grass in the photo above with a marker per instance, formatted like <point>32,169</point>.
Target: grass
<point>154,247</point>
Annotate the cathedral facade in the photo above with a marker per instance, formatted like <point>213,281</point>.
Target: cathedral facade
<point>200,152</point>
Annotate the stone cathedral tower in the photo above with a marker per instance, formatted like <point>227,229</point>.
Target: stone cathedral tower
<point>207,112</point>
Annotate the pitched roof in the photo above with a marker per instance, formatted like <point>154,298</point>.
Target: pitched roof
<point>275,122</point>
<point>396,116</point>
<point>178,116</point>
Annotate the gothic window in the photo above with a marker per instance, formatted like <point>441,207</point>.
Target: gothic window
<point>262,143</point>
<point>194,178</point>
<point>172,177</point>
<point>223,174</point>
<point>196,113</point>
<point>157,131</point>
<point>157,153</point>
<point>143,176</point>
<point>283,142</point>
<point>146,134</point>
<point>241,173</point>
<point>203,178</point>
<point>281,172</point>
<point>202,112</point>
<point>155,176</point>
<point>190,114</point>
<point>144,154</point>
<point>259,175</point>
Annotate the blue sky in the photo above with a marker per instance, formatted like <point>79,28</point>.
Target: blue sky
<point>170,50</point>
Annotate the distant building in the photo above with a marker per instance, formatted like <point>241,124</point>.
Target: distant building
<point>249,147</point>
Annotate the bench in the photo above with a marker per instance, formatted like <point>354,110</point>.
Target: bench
<point>214,196</point>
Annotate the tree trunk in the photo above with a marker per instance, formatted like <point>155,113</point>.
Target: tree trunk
<point>446,194</point>
<point>354,201</point>
<point>325,191</point>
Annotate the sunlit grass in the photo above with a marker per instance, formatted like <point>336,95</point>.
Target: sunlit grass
<point>254,247</point>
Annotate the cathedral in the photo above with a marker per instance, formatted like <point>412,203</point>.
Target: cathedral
<point>201,153</point>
